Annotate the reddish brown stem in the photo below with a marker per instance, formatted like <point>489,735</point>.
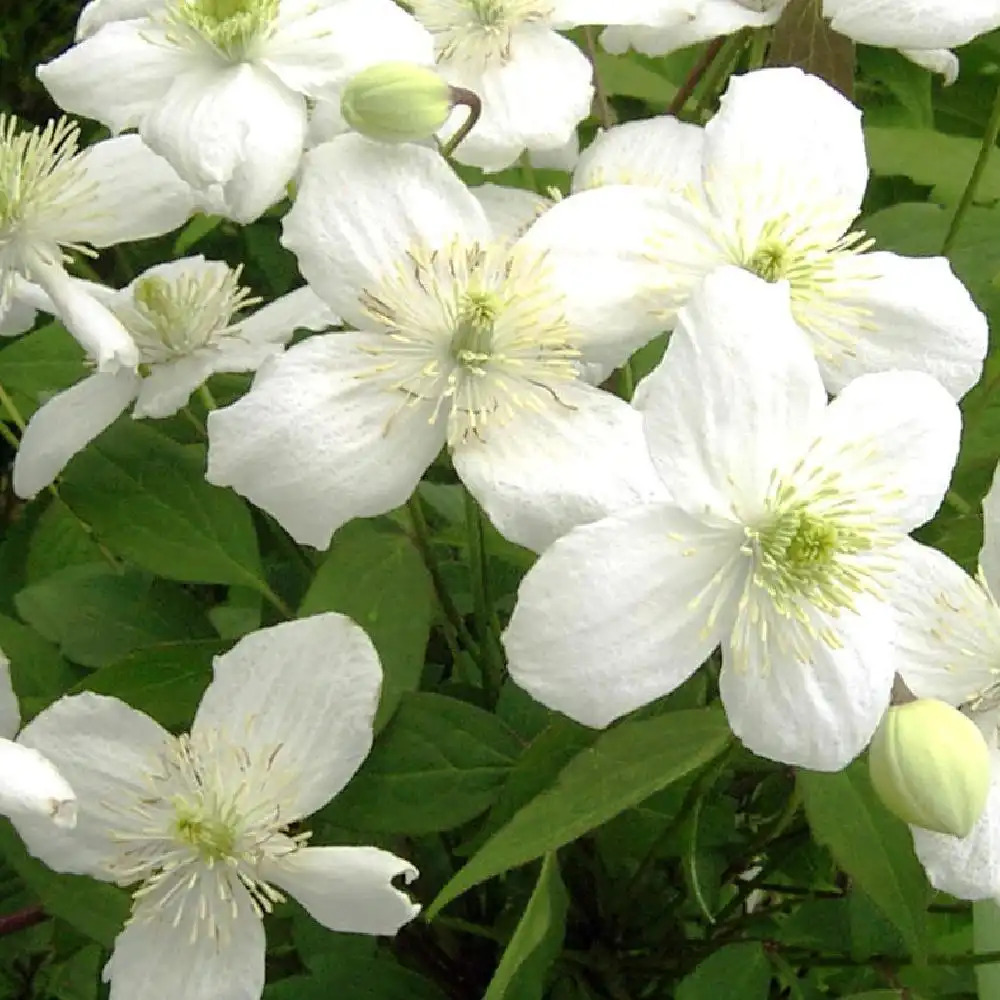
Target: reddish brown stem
<point>697,72</point>
<point>21,920</point>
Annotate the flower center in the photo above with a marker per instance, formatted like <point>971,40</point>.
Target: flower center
<point>477,333</point>
<point>799,549</point>
<point>477,32</point>
<point>174,318</point>
<point>770,261</point>
<point>41,176</point>
<point>232,27</point>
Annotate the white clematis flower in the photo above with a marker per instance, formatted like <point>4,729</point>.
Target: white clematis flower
<point>923,30</point>
<point>55,197</point>
<point>949,634</point>
<point>200,823</point>
<point>462,341</point>
<point>772,184</point>
<point>220,87</point>
<point>535,85</point>
<point>780,543</point>
<point>187,320</point>
<point>30,785</point>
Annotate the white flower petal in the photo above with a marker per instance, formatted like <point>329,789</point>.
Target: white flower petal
<point>275,323</point>
<point>562,157</point>
<point>66,424</point>
<point>738,389</point>
<point>570,13</point>
<point>127,172</point>
<point>31,786</point>
<point>168,386</point>
<point>549,470</point>
<point>327,43</point>
<point>597,256</point>
<point>619,612</point>
<point>22,309</point>
<point>966,867</point>
<point>785,143</point>
<point>818,714</point>
<point>319,440</point>
<point>155,959</point>
<point>896,312</point>
<point>510,211</point>
<point>941,61</point>
<point>347,888</point>
<point>236,136</point>
<point>402,198</point>
<point>989,554</point>
<point>947,628</point>
<point>88,79</point>
<point>913,24</point>
<point>893,437</point>
<point>97,13</point>
<point>533,100</point>
<point>107,752</point>
<point>656,152</point>
<point>302,695</point>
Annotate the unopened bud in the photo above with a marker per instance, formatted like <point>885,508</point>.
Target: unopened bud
<point>930,765</point>
<point>396,102</point>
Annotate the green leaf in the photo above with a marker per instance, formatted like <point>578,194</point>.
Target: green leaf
<point>624,76</point>
<point>39,673</point>
<point>59,540</point>
<point>146,497</point>
<point>536,942</point>
<point>374,575</point>
<point>96,615</point>
<point>986,936</point>
<point>97,910</point>
<point>79,977</point>
<point>802,37</point>
<point>439,763</point>
<point>166,684</point>
<point>871,845</point>
<point>735,970</point>
<point>35,367</point>
<point>199,227</point>
<point>624,766</point>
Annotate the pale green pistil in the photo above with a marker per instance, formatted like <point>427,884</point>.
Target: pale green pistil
<point>801,546</point>
<point>231,27</point>
<point>769,261</point>
<point>490,13</point>
<point>472,341</point>
<point>210,836</point>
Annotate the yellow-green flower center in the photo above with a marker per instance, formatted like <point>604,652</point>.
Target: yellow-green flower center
<point>231,27</point>
<point>472,341</point>
<point>770,261</point>
<point>211,836</point>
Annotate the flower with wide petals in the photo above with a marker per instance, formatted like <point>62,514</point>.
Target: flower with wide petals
<point>923,30</point>
<point>462,340</point>
<point>949,632</point>
<point>780,541</point>
<point>55,197</point>
<point>772,184</point>
<point>200,824</point>
<point>220,87</point>
<point>187,320</point>
<point>30,785</point>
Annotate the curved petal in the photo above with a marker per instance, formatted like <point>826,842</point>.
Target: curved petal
<point>571,13</point>
<point>785,145</point>
<point>402,198</point>
<point>332,41</point>
<point>347,888</point>
<point>947,628</point>
<point>168,386</point>
<point>532,100</point>
<point>31,786</point>
<point>941,61</point>
<point>87,79</point>
<point>97,13</point>
<point>737,392</point>
<point>657,152</point>
<point>235,135</point>
<point>913,24</point>
<point>551,469</point>
<point>818,713</point>
<point>884,311</point>
<point>597,247</point>
<point>619,612</point>
<point>301,696</point>
<point>66,424</point>
<point>893,439</point>
<point>275,323</point>
<point>158,959</point>
<point>319,440</point>
<point>989,554</point>
<point>510,211</point>
<point>966,867</point>
<point>20,313</point>
<point>125,171</point>
<point>108,753</point>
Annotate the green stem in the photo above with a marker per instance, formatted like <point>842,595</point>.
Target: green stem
<point>625,382</point>
<point>715,79</point>
<point>699,69</point>
<point>759,42</point>
<point>491,665</point>
<point>528,172</point>
<point>274,600</point>
<point>989,141</point>
<point>207,398</point>
<point>11,407</point>
<point>9,436</point>
<point>605,113</point>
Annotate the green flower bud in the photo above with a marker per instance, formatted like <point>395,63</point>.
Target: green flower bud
<point>930,765</point>
<point>396,102</point>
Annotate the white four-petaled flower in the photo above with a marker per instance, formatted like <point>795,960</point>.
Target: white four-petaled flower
<point>781,541</point>
<point>462,340</point>
<point>200,823</point>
